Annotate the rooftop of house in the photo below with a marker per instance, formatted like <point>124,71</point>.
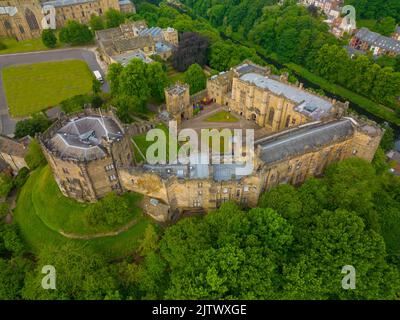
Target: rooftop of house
<point>122,45</point>
<point>378,40</point>
<point>82,138</point>
<point>162,47</point>
<point>220,172</point>
<point>14,147</point>
<point>309,104</point>
<point>304,139</point>
<point>153,31</point>
<point>177,89</point>
<point>250,68</point>
<point>125,58</point>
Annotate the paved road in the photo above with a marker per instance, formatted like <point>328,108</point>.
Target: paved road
<point>7,124</point>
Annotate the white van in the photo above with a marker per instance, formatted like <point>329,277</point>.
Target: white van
<point>98,76</point>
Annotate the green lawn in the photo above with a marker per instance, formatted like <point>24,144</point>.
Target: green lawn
<point>222,116</point>
<point>35,87</point>
<point>142,144</point>
<point>14,46</point>
<point>60,213</point>
<point>42,210</point>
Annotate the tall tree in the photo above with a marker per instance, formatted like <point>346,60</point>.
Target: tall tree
<point>195,78</point>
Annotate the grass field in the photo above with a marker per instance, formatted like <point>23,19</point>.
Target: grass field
<point>222,116</point>
<point>35,87</point>
<point>41,210</point>
<point>142,144</point>
<point>14,46</point>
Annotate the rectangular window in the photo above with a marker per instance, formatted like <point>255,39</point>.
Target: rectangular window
<point>112,177</point>
<point>109,167</point>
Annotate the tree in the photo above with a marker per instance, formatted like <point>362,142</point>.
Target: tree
<point>113,76</point>
<point>333,240</point>
<point>111,211</point>
<point>386,26</point>
<point>133,82</point>
<point>21,177</point>
<point>96,86</point>
<point>96,23</point>
<point>49,38</point>
<point>114,18</point>
<point>75,33</point>
<point>6,184</point>
<point>34,157</point>
<point>80,274</point>
<point>192,49</point>
<point>75,103</point>
<point>227,253</point>
<point>158,80</point>
<point>195,78</point>
<point>284,199</point>
<point>149,242</point>
<point>38,123</point>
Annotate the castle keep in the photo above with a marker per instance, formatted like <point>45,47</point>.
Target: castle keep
<point>91,154</point>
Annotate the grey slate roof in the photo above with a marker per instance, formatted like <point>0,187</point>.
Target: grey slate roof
<point>62,3</point>
<point>304,139</point>
<point>123,45</point>
<point>377,40</point>
<point>308,104</point>
<point>125,58</point>
<point>81,138</point>
<point>153,31</point>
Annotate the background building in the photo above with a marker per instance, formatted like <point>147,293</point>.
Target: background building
<point>136,40</point>
<point>26,23</point>
<point>13,152</point>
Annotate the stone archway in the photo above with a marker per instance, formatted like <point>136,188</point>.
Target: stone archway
<point>31,20</point>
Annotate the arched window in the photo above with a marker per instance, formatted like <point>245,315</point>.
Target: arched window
<point>7,25</point>
<point>271,116</point>
<point>31,19</point>
<point>21,29</point>
<point>287,122</point>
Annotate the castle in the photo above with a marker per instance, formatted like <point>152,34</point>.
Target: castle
<point>91,155</point>
<point>23,19</point>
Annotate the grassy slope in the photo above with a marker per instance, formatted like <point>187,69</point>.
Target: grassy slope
<point>37,234</point>
<point>60,213</point>
<point>44,84</point>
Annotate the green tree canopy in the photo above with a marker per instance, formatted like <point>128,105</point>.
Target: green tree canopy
<point>195,78</point>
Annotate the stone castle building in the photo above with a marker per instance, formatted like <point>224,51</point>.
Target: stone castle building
<point>91,154</point>
<point>177,101</point>
<point>22,19</point>
<point>270,101</point>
